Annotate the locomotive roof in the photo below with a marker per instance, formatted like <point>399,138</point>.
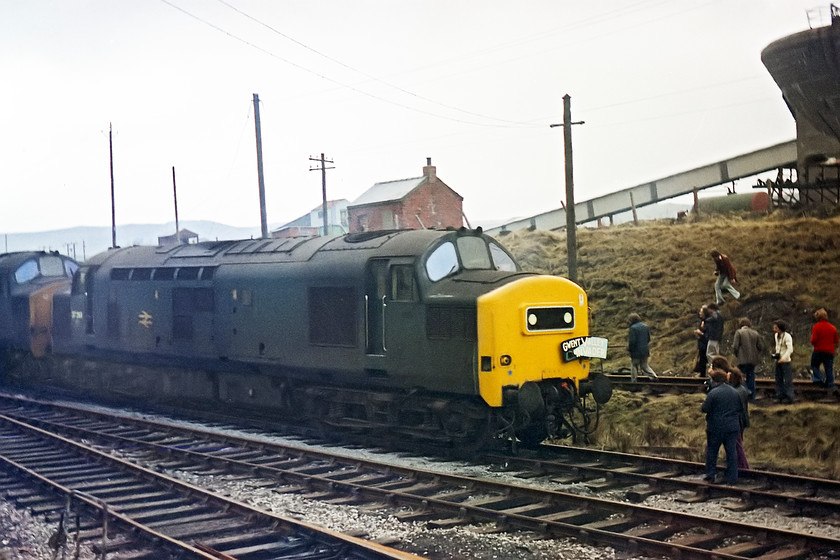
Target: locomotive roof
<point>293,249</point>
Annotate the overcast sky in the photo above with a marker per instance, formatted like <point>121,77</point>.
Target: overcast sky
<point>377,86</point>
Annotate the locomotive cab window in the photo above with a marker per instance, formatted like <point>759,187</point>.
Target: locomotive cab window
<point>442,262</point>
<point>403,287</point>
<point>26,272</point>
<point>474,254</point>
<point>501,259</point>
<point>51,266</point>
<point>469,253</point>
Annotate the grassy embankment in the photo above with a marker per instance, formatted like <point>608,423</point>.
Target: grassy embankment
<point>787,267</point>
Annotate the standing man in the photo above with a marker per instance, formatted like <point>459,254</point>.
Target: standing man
<point>782,354</point>
<point>723,409</point>
<point>714,331</point>
<point>638,343</point>
<point>726,277</point>
<point>824,339</point>
<point>748,347</point>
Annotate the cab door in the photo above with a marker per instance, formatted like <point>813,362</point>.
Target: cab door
<point>394,319</point>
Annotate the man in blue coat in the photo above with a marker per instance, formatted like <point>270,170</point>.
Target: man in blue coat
<point>723,412</point>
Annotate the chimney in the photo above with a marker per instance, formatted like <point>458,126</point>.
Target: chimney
<point>429,171</point>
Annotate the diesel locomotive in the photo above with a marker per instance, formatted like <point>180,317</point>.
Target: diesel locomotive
<point>28,280</point>
<point>430,334</point>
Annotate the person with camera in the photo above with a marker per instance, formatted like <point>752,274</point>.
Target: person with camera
<point>782,354</point>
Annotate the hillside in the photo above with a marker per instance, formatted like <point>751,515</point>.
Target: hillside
<point>787,265</point>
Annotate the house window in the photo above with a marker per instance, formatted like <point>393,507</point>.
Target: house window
<point>387,219</point>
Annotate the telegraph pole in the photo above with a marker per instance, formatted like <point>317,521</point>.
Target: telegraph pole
<point>113,211</point>
<point>263,219</point>
<point>323,170</point>
<point>175,197</point>
<point>571,234</point>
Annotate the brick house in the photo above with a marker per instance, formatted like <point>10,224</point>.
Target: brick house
<point>419,203</point>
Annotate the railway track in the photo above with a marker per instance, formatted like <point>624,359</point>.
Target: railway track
<point>448,500</point>
<point>635,478</point>
<point>135,513</point>
<point>765,388</point>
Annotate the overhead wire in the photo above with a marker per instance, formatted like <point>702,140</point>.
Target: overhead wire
<point>322,76</point>
<point>366,74</point>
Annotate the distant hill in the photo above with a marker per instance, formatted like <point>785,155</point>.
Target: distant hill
<point>82,242</point>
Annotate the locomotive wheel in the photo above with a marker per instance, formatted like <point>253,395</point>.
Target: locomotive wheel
<point>465,425</point>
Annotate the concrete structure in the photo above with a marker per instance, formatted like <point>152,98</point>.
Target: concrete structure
<point>183,237</point>
<point>423,202</point>
<point>739,167</point>
<point>806,67</point>
<point>312,223</point>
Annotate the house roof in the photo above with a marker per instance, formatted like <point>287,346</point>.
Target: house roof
<point>388,191</point>
<point>306,219</point>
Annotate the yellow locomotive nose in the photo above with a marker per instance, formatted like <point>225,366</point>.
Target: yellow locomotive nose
<point>527,332</point>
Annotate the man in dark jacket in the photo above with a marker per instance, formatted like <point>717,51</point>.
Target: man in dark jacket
<point>723,408</point>
<point>638,343</point>
<point>714,331</point>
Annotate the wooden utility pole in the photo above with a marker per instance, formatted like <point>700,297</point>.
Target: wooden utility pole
<point>175,196</point>
<point>263,219</point>
<point>323,170</point>
<point>113,211</point>
<point>571,233</point>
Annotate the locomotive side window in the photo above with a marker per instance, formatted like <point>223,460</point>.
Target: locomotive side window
<point>70,268</point>
<point>141,274</point>
<point>501,260</point>
<point>332,316</point>
<point>26,272</point>
<point>164,273</point>
<point>403,287</point>
<point>442,262</point>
